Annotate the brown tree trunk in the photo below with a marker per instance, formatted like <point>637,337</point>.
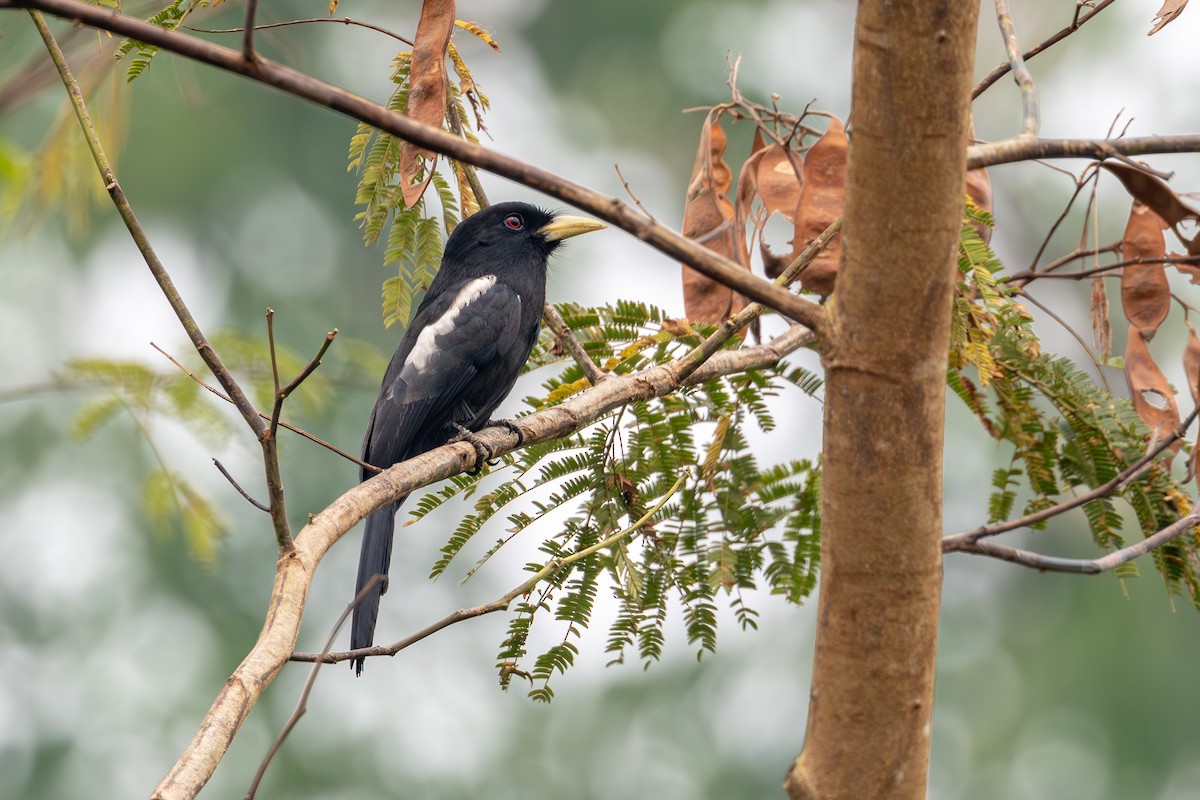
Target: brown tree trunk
<point>885,364</point>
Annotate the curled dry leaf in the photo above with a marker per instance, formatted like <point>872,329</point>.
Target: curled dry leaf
<point>1148,388</point>
<point>1169,11</point>
<point>747,188</point>
<point>1155,193</point>
<point>1145,293</point>
<point>822,200</point>
<point>780,178</point>
<point>426,91</point>
<point>1191,363</point>
<point>779,181</point>
<point>708,219</point>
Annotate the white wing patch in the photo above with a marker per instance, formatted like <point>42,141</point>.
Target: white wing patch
<point>425,349</point>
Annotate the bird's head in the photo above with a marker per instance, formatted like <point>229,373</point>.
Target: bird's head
<point>512,233</point>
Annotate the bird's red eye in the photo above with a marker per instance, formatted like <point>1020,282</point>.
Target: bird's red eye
<point>514,222</point>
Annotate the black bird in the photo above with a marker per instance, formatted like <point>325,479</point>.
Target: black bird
<point>458,359</point>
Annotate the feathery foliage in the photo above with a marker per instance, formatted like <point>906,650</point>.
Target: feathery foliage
<point>169,18</point>
<point>719,523</point>
<point>1067,433</point>
<point>414,235</point>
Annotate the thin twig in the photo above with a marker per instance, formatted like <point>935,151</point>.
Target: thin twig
<point>161,276</point>
<point>341,20</point>
<point>1003,68</point>
<point>500,603</point>
<point>468,170</point>
<point>959,541</point>
<point>1078,254</point>
<point>240,490</point>
<point>1104,268</point>
<point>302,703</point>
<point>248,32</point>
<point>277,406</point>
<point>312,365</point>
<point>629,192</point>
<point>1086,566</point>
<point>265,417</point>
<point>1080,182</point>
<point>571,344</point>
<point>1021,74</point>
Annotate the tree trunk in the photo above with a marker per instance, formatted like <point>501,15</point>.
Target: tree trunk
<point>885,368</point>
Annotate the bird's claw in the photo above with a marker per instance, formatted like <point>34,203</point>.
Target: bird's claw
<point>512,427</point>
<point>483,453</point>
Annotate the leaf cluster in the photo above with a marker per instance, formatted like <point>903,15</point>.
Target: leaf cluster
<point>731,526</point>
<point>413,233</point>
<point>1066,433</point>
<point>169,18</point>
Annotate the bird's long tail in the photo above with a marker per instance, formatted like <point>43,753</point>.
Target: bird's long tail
<point>373,560</point>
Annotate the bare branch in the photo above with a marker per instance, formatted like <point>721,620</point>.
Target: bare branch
<point>248,32</point>
<point>609,209</point>
<point>312,365</point>
<point>962,541</point>
<point>1087,566</point>
<point>270,444</point>
<point>1029,93</point>
<point>1003,68</point>
<point>240,490</point>
<point>1011,150</point>
<point>265,417</point>
<point>302,703</point>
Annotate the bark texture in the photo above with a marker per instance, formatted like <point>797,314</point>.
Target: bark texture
<point>885,361</point>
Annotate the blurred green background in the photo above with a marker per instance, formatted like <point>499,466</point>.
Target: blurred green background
<point>114,638</point>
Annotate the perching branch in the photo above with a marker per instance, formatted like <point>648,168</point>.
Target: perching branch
<point>500,603</point>
<point>609,209</point>
<point>277,641</point>
<point>163,278</point>
<point>302,703</point>
<point>1087,566</point>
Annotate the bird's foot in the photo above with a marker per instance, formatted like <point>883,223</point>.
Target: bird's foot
<point>483,453</point>
<point>512,427</point>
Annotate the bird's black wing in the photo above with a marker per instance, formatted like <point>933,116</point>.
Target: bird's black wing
<point>456,340</point>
